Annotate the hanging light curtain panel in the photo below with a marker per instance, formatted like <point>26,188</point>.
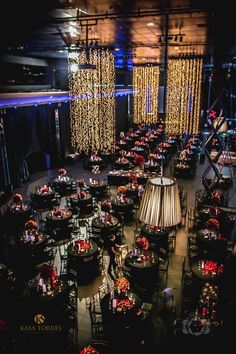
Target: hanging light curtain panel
<point>184,82</point>
<point>145,86</point>
<point>92,103</point>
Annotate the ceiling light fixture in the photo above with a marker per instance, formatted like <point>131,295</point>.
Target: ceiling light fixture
<point>150,24</point>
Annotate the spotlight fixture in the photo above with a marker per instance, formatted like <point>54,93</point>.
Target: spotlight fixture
<point>150,24</point>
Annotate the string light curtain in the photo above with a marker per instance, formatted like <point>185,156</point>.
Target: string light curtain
<point>184,81</point>
<point>145,86</point>
<point>92,103</point>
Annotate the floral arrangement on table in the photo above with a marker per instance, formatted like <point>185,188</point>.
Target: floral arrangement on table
<point>209,267</point>
<point>122,160</point>
<point>121,285</point>
<point>133,177</point>
<point>82,245</point>
<point>106,206</point>
<point>142,243</point>
<point>124,304</point>
<point>44,189</point>
<point>153,228</point>
<point>31,225</point>
<point>82,195</point>
<point>81,183</point>
<point>17,198</point>
<point>62,172</point>
<point>137,143</point>
<point>216,198</point>
<point>121,189</point>
<point>89,350</point>
<point>213,223</point>
<point>123,152</point>
<point>48,279</point>
<point>139,160</point>
<point>58,213</point>
<point>108,220</point>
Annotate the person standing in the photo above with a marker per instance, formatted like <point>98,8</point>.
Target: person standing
<point>111,249</point>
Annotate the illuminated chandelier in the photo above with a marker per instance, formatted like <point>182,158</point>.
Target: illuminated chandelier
<point>145,86</point>
<point>184,79</point>
<point>92,103</point>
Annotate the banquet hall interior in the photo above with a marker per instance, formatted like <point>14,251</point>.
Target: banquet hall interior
<point>117,176</point>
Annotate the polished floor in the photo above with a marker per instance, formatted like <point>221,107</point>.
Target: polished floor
<point>160,321</point>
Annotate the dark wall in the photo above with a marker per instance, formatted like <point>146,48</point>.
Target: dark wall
<point>121,113</point>
<point>31,139</point>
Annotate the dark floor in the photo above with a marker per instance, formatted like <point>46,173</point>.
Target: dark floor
<point>160,322</point>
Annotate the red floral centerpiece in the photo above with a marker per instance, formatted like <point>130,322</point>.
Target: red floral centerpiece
<point>62,172</point>
<point>137,143</point>
<point>81,183</point>
<point>139,160</point>
<point>48,279</point>
<point>31,225</point>
<point>133,177</point>
<point>121,285</point>
<point>108,219</point>
<point>58,213</point>
<point>123,152</point>
<point>82,246</point>
<point>17,198</point>
<point>44,189</point>
<point>142,243</point>
<point>121,189</point>
<point>89,350</point>
<point>213,223</point>
<point>124,304</point>
<point>216,198</point>
<point>106,206</point>
<point>212,267</point>
<point>82,195</point>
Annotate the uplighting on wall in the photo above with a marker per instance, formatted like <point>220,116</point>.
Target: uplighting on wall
<point>145,85</point>
<point>184,79</point>
<point>92,104</point>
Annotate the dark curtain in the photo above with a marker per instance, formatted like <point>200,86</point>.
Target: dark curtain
<point>121,114</point>
<point>31,139</point>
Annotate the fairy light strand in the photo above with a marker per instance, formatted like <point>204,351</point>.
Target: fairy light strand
<point>184,82</point>
<point>92,101</point>
<point>146,85</point>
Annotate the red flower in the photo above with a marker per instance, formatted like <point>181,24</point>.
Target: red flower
<point>62,171</point>
<point>17,198</point>
<point>81,245</point>
<point>216,197</point>
<point>142,242</point>
<point>213,223</point>
<point>137,143</point>
<point>132,177</point>
<point>31,225</point>
<point>58,212</point>
<point>44,189</point>
<point>121,284</point>
<point>139,160</point>
<point>89,350</point>
<point>121,189</point>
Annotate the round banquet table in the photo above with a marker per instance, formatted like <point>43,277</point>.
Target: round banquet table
<point>122,165</point>
<point>103,230</point>
<point>98,190</point>
<point>63,187</point>
<point>216,247</point>
<point>124,330</point>
<point>83,265</point>
<point>138,150</point>
<point>197,271</point>
<point>59,221</point>
<point>85,204</point>
<point>42,199</point>
<point>125,207</point>
<point>144,273</point>
<point>158,238</point>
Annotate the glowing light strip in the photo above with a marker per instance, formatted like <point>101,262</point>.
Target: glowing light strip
<point>145,85</point>
<point>184,80</point>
